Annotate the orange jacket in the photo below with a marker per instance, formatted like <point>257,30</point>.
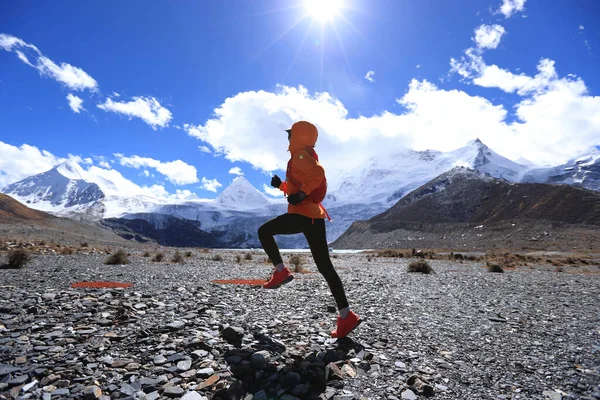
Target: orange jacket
<point>304,170</point>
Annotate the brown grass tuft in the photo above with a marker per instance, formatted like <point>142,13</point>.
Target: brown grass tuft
<point>118,258</point>
<point>297,262</point>
<point>67,251</point>
<point>248,257</point>
<point>17,259</point>
<point>420,266</point>
<point>217,257</point>
<point>177,257</point>
<point>188,254</point>
<point>390,253</point>
<point>159,257</point>
<point>495,268</point>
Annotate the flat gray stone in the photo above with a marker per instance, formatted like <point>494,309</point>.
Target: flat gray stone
<point>409,395</point>
<point>184,365</point>
<point>193,396</point>
<point>173,391</point>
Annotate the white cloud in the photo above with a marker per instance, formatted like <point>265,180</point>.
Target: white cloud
<point>23,58</point>
<point>104,164</point>
<point>236,171</point>
<point>494,76</point>
<point>204,149</point>
<point>250,125</point>
<point>146,173</point>
<point>488,36</point>
<point>210,184</point>
<point>418,66</point>
<point>271,191</point>
<point>510,7</point>
<point>17,163</point>
<point>76,103</point>
<point>72,77</point>
<point>177,172</point>
<point>147,108</point>
<point>369,76</point>
<point>581,27</point>
<point>115,94</point>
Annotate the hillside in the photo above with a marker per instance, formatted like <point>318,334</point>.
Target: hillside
<point>472,210</point>
<point>12,211</point>
<point>17,221</point>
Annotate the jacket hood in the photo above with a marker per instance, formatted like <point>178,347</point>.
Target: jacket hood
<point>304,134</point>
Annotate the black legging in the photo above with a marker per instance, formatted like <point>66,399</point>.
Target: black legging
<point>314,231</point>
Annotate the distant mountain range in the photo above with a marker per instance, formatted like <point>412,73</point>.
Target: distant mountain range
<point>464,208</point>
<point>232,219</point>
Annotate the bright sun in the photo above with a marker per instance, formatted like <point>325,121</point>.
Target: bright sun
<point>323,10</point>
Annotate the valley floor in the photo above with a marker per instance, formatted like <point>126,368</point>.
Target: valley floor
<point>530,333</point>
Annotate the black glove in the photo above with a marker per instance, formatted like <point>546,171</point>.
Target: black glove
<point>276,182</point>
<point>296,198</point>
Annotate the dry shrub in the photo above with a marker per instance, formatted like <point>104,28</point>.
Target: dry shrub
<point>267,260</point>
<point>188,254</point>
<point>217,257</point>
<point>67,251</point>
<point>177,257</point>
<point>238,258</point>
<point>577,261</point>
<point>420,266</point>
<point>118,258</point>
<point>205,250</point>
<point>390,253</point>
<point>146,254</point>
<point>297,262</point>
<point>335,256</point>
<point>559,269</point>
<point>17,259</point>
<point>495,268</point>
<point>248,257</point>
<point>159,257</point>
<point>84,244</point>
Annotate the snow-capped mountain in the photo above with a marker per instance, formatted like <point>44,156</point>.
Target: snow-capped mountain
<point>583,171</point>
<point>59,189</point>
<point>241,195</point>
<point>479,157</point>
<point>384,180</point>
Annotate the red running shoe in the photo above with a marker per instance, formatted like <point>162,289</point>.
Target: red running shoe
<point>279,278</point>
<point>346,325</point>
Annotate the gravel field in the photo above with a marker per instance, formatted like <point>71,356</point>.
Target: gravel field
<point>460,333</point>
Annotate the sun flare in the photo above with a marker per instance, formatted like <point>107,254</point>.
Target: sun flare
<point>323,10</point>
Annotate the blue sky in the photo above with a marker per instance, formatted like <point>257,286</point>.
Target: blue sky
<point>527,85</point>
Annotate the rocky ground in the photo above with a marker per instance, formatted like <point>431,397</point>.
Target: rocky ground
<point>461,333</point>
